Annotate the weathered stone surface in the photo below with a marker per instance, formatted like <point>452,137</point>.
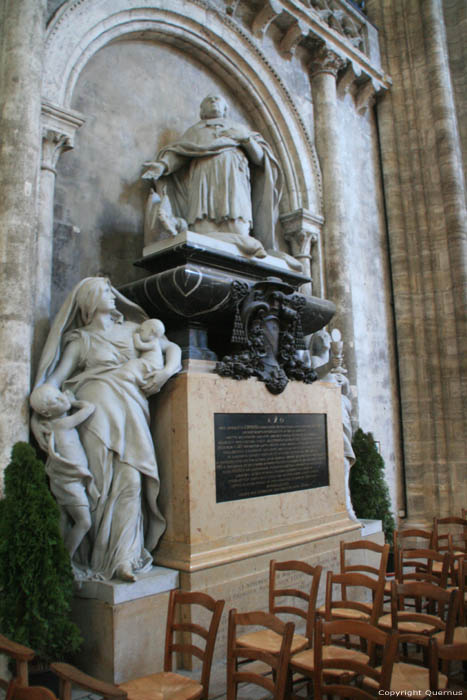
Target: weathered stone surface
<point>425,202</point>
<point>21,45</point>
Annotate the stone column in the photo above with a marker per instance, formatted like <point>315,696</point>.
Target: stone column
<point>336,240</point>
<point>425,203</point>
<point>21,49</point>
<point>58,131</point>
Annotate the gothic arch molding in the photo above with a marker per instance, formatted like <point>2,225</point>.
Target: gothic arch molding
<point>81,27</point>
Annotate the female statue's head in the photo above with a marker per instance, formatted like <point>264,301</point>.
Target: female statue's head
<point>213,106</point>
<point>95,295</point>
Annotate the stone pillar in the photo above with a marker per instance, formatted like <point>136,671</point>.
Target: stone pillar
<point>58,131</point>
<point>21,49</point>
<point>427,230</point>
<point>336,240</point>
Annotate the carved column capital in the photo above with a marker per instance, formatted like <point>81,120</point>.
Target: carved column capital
<point>270,10</point>
<point>325,60</point>
<point>53,145</point>
<point>58,130</point>
<point>301,230</point>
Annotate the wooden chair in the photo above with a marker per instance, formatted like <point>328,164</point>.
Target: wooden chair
<point>457,633</point>
<point>21,655</point>
<point>412,538</point>
<point>278,663</point>
<point>450,535</point>
<point>462,586</point>
<point>16,691</point>
<point>333,668</point>
<point>366,552</point>
<point>179,632</point>
<point>426,565</point>
<point>417,628</point>
<point>444,653</point>
<point>71,677</point>
<point>454,526</point>
<point>300,603</point>
<point>169,685</point>
<point>436,609</point>
<point>344,607</point>
<point>363,548</point>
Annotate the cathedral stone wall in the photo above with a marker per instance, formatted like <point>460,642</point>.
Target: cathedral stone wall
<point>372,146</point>
<point>427,227</point>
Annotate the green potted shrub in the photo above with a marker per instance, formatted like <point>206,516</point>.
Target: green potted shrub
<point>36,579</point>
<point>368,488</point>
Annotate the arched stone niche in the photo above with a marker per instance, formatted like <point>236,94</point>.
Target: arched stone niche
<point>136,70</point>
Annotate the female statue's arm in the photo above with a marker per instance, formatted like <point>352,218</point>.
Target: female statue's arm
<point>67,364</point>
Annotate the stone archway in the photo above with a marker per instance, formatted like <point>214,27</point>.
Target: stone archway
<point>82,27</point>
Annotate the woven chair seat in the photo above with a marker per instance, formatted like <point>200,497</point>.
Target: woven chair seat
<point>163,686</point>
<point>304,660</point>
<point>270,641</point>
<point>408,677</point>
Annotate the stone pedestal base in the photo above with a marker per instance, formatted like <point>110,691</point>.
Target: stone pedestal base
<point>224,548</point>
<point>123,625</point>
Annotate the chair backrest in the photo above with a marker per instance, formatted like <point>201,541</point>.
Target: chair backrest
<point>444,652</point>
<point>277,683</point>
<point>21,655</point>
<point>411,538</point>
<point>353,584</point>
<point>363,549</point>
<point>181,626</point>
<point>16,691</point>
<point>426,565</point>
<point>278,591</point>
<point>450,534</point>
<point>373,638</point>
<point>440,606</point>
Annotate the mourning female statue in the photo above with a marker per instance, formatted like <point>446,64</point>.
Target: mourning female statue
<point>220,179</point>
<point>101,458</point>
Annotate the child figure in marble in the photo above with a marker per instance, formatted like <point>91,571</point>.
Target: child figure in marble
<point>71,481</point>
<point>147,339</point>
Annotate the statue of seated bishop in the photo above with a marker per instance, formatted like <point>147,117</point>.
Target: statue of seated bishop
<point>220,179</point>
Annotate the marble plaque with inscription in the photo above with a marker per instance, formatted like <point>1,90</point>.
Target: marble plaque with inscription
<point>261,454</point>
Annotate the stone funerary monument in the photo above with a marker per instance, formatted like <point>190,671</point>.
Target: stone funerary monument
<point>209,199</point>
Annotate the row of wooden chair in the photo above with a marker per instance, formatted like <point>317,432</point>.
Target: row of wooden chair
<point>270,641</point>
<point>329,666</point>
